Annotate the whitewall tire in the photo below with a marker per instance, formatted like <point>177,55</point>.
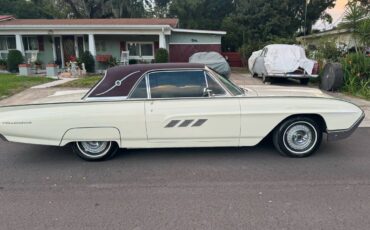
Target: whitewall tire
<point>298,137</point>
<point>95,150</point>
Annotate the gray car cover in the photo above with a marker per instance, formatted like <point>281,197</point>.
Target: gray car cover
<point>213,60</point>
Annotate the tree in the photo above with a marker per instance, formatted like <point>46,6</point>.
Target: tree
<point>106,8</point>
<point>315,10</point>
<point>354,19</point>
<point>157,8</point>
<point>260,21</point>
<point>21,9</point>
<point>201,14</point>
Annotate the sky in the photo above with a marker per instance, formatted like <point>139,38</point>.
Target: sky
<point>336,13</point>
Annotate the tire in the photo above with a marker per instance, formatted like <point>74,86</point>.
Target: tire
<point>95,150</point>
<point>297,137</point>
<point>304,81</point>
<point>264,78</point>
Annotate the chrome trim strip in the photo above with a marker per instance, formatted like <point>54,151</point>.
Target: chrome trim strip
<point>335,135</point>
<point>185,123</point>
<point>172,123</point>
<point>3,138</point>
<point>199,122</point>
<point>118,83</point>
<point>94,87</point>
<point>293,75</point>
<point>135,87</point>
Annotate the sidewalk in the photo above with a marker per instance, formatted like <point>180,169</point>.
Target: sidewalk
<point>54,83</point>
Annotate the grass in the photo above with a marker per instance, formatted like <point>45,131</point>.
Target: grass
<point>85,82</point>
<point>11,84</point>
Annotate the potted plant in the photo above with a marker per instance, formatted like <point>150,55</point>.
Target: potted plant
<point>3,64</point>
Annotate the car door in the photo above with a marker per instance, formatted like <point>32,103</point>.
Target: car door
<point>180,111</point>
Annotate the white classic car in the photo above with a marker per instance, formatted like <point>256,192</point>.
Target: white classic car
<point>283,61</point>
<point>180,105</point>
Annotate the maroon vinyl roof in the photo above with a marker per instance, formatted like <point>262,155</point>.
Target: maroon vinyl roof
<point>173,22</point>
<point>119,80</point>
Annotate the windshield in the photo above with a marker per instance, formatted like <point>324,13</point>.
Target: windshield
<point>234,89</point>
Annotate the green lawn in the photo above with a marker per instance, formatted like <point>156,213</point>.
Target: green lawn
<point>85,82</point>
<point>11,84</point>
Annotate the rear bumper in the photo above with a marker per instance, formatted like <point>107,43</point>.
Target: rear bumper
<point>3,138</point>
<point>342,134</point>
<point>288,75</point>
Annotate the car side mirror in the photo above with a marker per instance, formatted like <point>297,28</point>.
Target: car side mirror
<point>207,92</point>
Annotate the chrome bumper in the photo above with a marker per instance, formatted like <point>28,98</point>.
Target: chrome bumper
<point>291,75</point>
<point>344,133</point>
<point>3,138</point>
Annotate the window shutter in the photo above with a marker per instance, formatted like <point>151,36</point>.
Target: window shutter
<point>123,46</point>
<point>40,40</point>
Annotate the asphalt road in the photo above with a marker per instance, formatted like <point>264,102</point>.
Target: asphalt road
<point>224,188</point>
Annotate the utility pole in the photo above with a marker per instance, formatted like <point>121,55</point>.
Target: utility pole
<point>306,2</point>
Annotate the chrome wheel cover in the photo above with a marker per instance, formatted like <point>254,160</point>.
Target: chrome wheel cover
<point>300,137</point>
<point>94,149</point>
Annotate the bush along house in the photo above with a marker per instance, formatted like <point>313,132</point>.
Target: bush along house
<point>59,41</point>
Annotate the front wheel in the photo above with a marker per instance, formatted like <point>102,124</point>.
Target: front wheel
<point>95,150</point>
<point>298,137</point>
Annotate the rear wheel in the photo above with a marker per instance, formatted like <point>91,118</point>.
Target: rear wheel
<point>298,137</point>
<point>95,150</point>
<point>264,78</point>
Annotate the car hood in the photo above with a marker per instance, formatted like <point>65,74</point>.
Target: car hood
<point>281,91</point>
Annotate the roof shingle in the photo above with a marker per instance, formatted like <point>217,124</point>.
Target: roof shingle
<point>173,22</point>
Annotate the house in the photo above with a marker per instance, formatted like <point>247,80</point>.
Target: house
<point>343,38</point>
<point>60,40</point>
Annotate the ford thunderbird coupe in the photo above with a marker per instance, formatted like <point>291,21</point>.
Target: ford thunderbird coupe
<point>178,106</point>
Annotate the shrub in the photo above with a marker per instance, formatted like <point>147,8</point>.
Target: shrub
<point>356,68</point>
<point>247,49</point>
<point>89,61</point>
<point>3,62</point>
<point>112,62</point>
<point>161,56</point>
<point>132,61</point>
<point>15,58</point>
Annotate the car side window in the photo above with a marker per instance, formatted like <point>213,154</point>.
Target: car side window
<point>177,84</point>
<point>140,92</point>
<point>214,86</point>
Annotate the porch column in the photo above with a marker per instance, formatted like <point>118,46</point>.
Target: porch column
<point>92,47</point>
<point>19,43</point>
<point>162,41</point>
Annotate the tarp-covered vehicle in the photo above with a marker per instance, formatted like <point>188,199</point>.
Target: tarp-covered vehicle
<point>283,61</point>
<point>213,60</point>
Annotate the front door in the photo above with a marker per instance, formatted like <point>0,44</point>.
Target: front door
<point>180,113</point>
<point>69,50</point>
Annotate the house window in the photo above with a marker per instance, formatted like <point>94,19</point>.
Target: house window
<point>7,43</point>
<point>30,43</point>
<point>141,50</point>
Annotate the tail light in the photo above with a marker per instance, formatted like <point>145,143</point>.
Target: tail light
<point>316,68</point>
